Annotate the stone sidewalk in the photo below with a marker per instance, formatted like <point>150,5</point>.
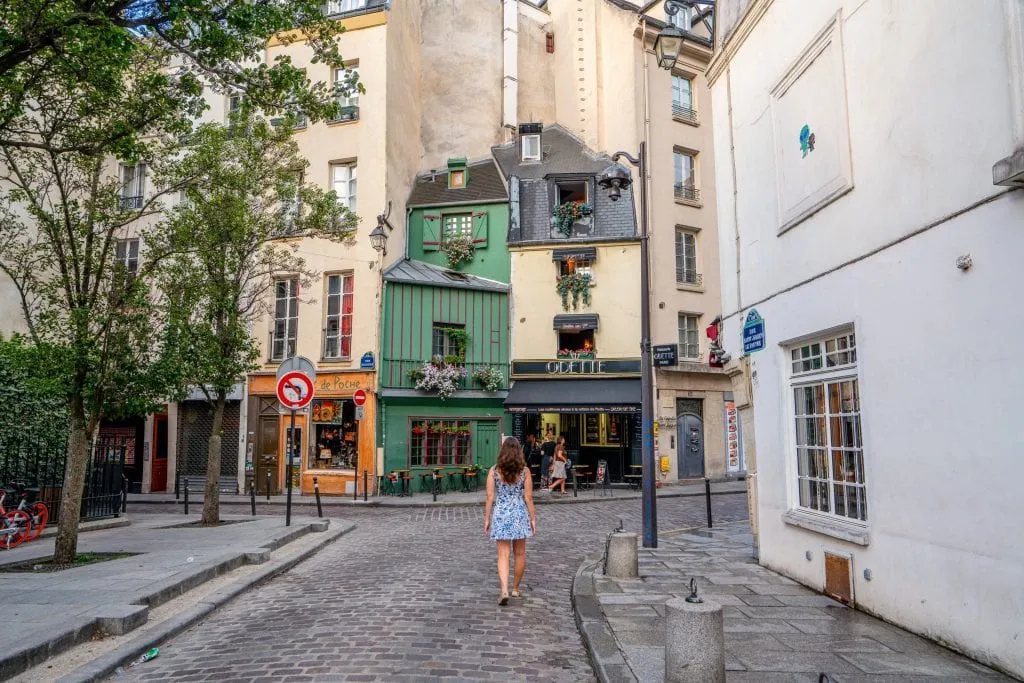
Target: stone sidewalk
<point>775,629</point>
<point>423,499</point>
<point>57,610</point>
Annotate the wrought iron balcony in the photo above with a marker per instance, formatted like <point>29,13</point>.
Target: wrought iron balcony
<point>681,112</point>
<point>349,113</point>
<point>687,192</point>
<point>131,202</point>
<point>395,374</point>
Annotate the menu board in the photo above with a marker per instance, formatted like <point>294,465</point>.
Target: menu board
<point>592,429</point>
<point>636,436</point>
<point>614,426</point>
<point>518,427</point>
<point>733,439</point>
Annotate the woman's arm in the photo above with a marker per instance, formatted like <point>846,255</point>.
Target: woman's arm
<point>528,497</point>
<point>490,500</point>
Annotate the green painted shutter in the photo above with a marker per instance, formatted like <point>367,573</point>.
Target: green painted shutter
<point>431,233</point>
<point>480,230</point>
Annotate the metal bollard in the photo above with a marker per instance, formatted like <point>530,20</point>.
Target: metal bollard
<point>366,485</point>
<point>433,475</point>
<point>124,494</point>
<point>316,492</point>
<point>575,494</point>
<point>186,496</point>
<point>355,487</point>
<point>707,498</point>
<point>268,487</point>
<point>252,496</point>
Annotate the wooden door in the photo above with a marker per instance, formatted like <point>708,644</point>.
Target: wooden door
<point>268,457</point>
<point>488,441</point>
<point>158,479</point>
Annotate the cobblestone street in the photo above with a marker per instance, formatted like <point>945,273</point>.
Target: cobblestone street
<point>411,594</point>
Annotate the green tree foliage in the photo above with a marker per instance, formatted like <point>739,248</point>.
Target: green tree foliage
<point>246,212</point>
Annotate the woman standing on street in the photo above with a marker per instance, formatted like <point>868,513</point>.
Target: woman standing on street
<point>511,518</point>
<point>558,467</point>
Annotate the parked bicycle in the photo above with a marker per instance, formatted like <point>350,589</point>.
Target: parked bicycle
<point>36,509</point>
<point>15,525</point>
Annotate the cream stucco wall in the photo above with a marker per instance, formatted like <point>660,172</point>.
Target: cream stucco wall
<point>615,297</point>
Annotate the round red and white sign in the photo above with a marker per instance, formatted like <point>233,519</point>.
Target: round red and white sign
<point>294,390</point>
<point>359,398</point>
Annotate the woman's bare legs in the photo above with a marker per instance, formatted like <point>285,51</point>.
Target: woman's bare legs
<point>503,550</point>
<point>519,553</point>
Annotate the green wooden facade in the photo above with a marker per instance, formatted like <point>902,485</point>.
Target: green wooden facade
<point>428,307</point>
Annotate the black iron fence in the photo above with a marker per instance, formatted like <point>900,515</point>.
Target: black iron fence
<point>39,464</point>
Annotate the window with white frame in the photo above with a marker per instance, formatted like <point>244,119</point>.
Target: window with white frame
<point>581,265</point>
<point>682,19</point>
<point>348,104</point>
<point>686,258</point>
<point>291,201</point>
<point>338,326</point>
<point>682,97</point>
<point>133,185</point>
<point>531,147</point>
<point>684,166</point>
<point>234,104</point>
<point>343,180</point>
<point>286,319</point>
<point>689,341</point>
<point>127,254</point>
<point>342,6</point>
<point>458,225</point>
<point>826,412</point>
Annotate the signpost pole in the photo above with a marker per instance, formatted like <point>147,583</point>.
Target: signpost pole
<point>291,454</point>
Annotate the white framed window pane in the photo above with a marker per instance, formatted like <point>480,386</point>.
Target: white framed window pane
<point>285,319</point>
<point>686,257</point>
<point>531,147</point>
<point>458,224</point>
<point>683,168</point>
<point>344,182</point>
<point>341,75</point>
<point>682,92</point>
<point>689,345</point>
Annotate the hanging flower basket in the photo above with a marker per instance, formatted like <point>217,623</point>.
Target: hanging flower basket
<point>573,287</point>
<point>458,249</point>
<point>567,214</point>
<point>581,354</point>
<point>487,377</point>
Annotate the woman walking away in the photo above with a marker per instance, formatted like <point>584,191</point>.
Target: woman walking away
<point>509,515</point>
<point>547,455</point>
<point>558,467</point>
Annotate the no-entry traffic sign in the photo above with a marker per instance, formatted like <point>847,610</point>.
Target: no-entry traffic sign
<point>294,390</point>
<point>359,398</point>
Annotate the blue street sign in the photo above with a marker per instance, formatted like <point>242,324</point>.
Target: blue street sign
<point>753,332</point>
<point>366,362</point>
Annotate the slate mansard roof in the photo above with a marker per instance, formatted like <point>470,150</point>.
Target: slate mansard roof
<point>563,156</point>
<point>409,271</point>
<point>485,186</point>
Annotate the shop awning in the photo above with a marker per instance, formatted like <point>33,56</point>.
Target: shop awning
<point>574,321</point>
<point>574,396</point>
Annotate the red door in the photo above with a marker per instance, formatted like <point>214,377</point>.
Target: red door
<point>158,481</point>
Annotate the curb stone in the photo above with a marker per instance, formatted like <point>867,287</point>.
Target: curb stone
<point>605,655</point>
<point>107,664</point>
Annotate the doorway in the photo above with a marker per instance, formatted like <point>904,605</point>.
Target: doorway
<point>487,443</point>
<point>268,458</point>
<point>690,437</point>
<point>158,477</point>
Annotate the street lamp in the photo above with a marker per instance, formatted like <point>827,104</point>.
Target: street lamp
<point>616,178</point>
<point>670,41</point>
<point>379,240</point>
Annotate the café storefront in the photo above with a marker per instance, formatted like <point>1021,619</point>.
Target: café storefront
<point>333,445</point>
<point>594,404</point>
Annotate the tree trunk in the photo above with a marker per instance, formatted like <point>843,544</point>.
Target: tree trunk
<point>211,497</point>
<point>74,483</point>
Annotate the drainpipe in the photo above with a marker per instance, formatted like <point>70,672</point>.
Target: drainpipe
<point>510,46</point>
<point>735,189</point>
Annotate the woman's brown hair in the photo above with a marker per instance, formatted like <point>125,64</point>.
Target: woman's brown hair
<point>510,460</point>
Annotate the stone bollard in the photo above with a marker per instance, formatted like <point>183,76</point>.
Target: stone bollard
<point>694,642</point>
<point>623,561</point>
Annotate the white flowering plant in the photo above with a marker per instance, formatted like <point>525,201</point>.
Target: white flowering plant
<point>458,249</point>
<point>440,378</point>
<point>488,377</point>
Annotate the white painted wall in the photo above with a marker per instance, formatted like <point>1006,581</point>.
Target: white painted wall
<point>930,109</point>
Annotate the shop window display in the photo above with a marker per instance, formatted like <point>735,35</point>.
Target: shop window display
<point>337,435</point>
<point>440,443</point>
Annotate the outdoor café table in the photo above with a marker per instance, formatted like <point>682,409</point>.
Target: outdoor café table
<point>404,477</point>
<point>582,474</point>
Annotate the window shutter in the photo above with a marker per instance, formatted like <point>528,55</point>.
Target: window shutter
<point>431,233</point>
<point>480,230</point>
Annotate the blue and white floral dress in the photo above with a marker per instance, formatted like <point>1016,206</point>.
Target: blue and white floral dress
<point>510,520</point>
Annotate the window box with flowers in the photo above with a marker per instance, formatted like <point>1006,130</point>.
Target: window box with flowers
<point>458,249</point>
<point>573,287</point>
<point>488,377</point>
<point>568,214</point>
<point>578,354</point>
<point>439,377</point>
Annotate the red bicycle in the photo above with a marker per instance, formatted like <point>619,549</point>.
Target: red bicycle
<point>15,525</point>
<point>35,509</point>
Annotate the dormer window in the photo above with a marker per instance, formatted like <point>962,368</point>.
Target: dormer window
<point>529,141</point>
<point>457,173</point>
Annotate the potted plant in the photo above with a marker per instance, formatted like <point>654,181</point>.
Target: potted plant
<point>488,377</point>
<point>460,338</point>
<point>458,249</point>
<point>567,214</point>
<point>441,378</point>
<point>574,286</point>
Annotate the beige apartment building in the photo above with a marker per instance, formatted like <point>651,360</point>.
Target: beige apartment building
<point>611,92</point>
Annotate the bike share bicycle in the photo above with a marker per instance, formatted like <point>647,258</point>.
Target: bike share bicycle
<point>24,523</point>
